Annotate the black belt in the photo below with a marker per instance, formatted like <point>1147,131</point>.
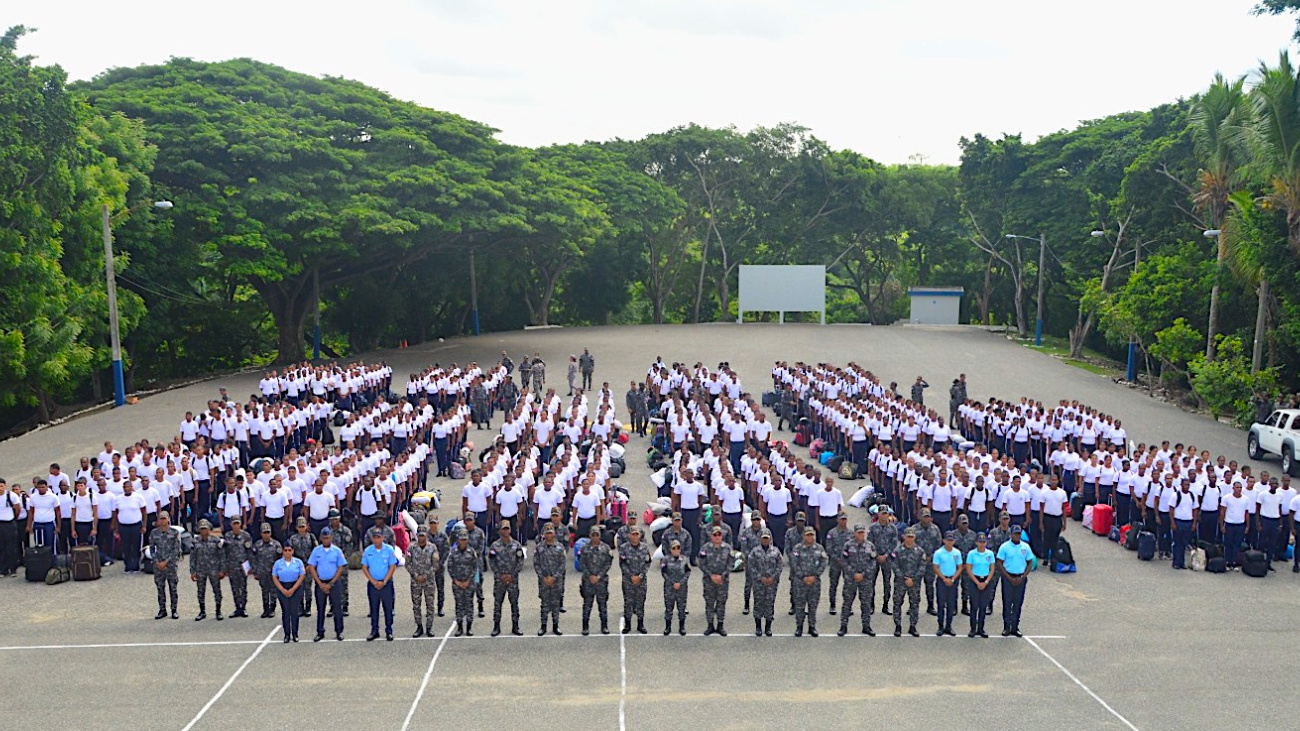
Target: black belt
<point>1015,576</point>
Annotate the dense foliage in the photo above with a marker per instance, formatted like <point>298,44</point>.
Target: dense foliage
<point>289,188</point>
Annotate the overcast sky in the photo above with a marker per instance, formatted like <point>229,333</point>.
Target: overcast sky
<point>888,78</point>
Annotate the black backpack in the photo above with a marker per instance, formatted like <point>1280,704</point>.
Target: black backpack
<point>1135,530</point>
<point>1255,564</point>
<point>1063,554</point>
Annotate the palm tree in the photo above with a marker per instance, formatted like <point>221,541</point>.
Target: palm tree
<point>1275,136</point>
<point>1216,123</point>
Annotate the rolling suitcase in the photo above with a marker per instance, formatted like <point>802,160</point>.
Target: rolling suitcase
<point>1076,507</point>
<point>85,563</point>
<point>37,562</point>
<point>1146,545</point>
<point>1131,533</point>
<point>1103,517</point>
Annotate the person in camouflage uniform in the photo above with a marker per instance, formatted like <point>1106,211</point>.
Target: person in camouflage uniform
<point>303,543</point>
<point>462,566</point>
<point>478,399</point>
<point>539,373</point>
<point>858,558</point>
<point>884,536</point>
<point>346,540</point>
<point>808,562</point>
<point>763,566</point>
<point>595,562</point>
<point>836,539</point>
<point>525,371</point>
<point>263,555</point>
<point>793,537</point>
<point>205,568</point>
<point>911,564</point>
<point>676,570</point>
<point>506,555</point>
<point>625,531</point>
<point>749,536</point>
<point>1000,534</point>
<point>634,565</point>
<point>237,547</point>
<point>440,541</point>
<point>929,538</point>
<point>587,365</point>
<point>675,532</point>
<point>715,568</point>
<point>548,563</point>
<point>477,541</point>
<point>165,552</point>
<point>965,543</point>
<point>422,560</point>
<point>509,395</point>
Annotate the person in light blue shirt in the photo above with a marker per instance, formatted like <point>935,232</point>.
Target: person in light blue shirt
<point>947,563</point>
<point>1013,566</point>
<point>288,573</point>
<point>378,563</point>
<point>328,564</point>
<point>980,562</point>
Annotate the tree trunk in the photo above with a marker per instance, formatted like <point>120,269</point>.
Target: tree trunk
<point>1212,327</point>
<point>986,301</point>
<point>699,287</point>
<point>1261,326</point>
<point>290,320</point>
<point>1021,323</point>
<point>657,308</point>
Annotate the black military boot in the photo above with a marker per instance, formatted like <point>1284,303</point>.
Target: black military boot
<point>812,627</point>
<point>162,612</point>
<point>898,629</point>
<point>832,607</point>
<point>586,626</point>
<point>710,629</point>
<point>681,626</point>
<point>745,611</point>
<point>929,609</point>
<point>912,631</point>
<point>460,629</point>
<point>175,613</point>
<point>480,609</point>
<point>203,614</point>
<point>542,629</point>
<point>844,626</point>
<point>947,630</point>
<point>469,628</point>
<point>884,608</point>
<point>604,625</point>
<point>219,617</point>
<point>798,628</point>
<point>866,629</point>
<point>758,627</point>
<point>721,630</point>
<point>640,624</point>
<point>496,627</point>
<point>668,626</point>
<point>627,624</point>
<point>767,628</point>
<point>419,631</point>
<point>555,626</point>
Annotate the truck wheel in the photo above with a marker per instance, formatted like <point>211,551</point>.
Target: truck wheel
<point>1252,447</point>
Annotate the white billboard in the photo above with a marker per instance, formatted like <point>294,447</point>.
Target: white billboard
<point>792,288</point>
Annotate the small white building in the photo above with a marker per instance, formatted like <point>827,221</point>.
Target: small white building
<point>935,305</point>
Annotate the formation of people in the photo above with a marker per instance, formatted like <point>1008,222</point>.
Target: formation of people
<point>960,506</point>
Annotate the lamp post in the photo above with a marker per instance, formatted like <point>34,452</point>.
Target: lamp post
<point>1042,264</point>
<point>115,336</point>
<point>1213,324</point>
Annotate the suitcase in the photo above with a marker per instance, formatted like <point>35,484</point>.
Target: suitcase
<point>1076,507</point>
<point>1089,513</point>
<point>769,399</point>
<point>1103,517</point>
<point>1146,545</point>
<point>85,563</point>
<point>848,470</point>
<point>1216,565</point>
<point>58,575</point>
<point>1131,533</point>
<point>1255,564</point>
<point>37,562</point>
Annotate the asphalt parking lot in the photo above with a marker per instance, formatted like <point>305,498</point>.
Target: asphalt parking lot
<point>1121,644</point>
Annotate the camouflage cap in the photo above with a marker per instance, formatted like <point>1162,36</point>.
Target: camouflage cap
<point>717,531</point>
<point>236,520</point>
<point>550,528</point>
<point>505,525</point>
<point>301,522</point>
<point>677,516</point>
<point>422,531</point>
<point>205,524</point>
<point>765,533</point>
<point>675,544</point>
<point>266,527</point>
<point>809,531</point>
<point>842,516</point>
<point>963,520</point>
<point>335,514</point>
<point>859,528</point>
<point>594,532</point>
<point>909,532</point>
<point>925,512</point>
<point>755,515</point>
<point>556,511</point>
<point>800,516</point>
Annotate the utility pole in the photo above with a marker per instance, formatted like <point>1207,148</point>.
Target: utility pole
<point>315,333</point>
<point>119,378</point>
<point>473,292</point>
<point>1042,264</point>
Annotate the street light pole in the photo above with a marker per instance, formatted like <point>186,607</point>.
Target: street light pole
<point>115,337</point>
<point>1042,264</point>
<point>110,278</point>
<point>473,291</point>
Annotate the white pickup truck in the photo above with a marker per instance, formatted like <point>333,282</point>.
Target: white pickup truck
<point>1278,434</point>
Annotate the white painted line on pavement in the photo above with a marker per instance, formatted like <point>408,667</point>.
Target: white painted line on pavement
<point>1079,683</point>
<point>622,664</point>
<point>427,674</point>
<point>130,644</point>
<point>231,681</point>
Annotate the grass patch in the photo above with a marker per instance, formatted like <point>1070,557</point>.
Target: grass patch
<point>1092,361</point>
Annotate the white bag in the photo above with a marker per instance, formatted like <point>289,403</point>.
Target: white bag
<point>1196,559</point>
<point>616,450</point>
<point>1087,517</point>
<point>661,523</point>
<point>409,522</point>
<point>861,496</point>
<point>659,554</point>
<point>660,477</point>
